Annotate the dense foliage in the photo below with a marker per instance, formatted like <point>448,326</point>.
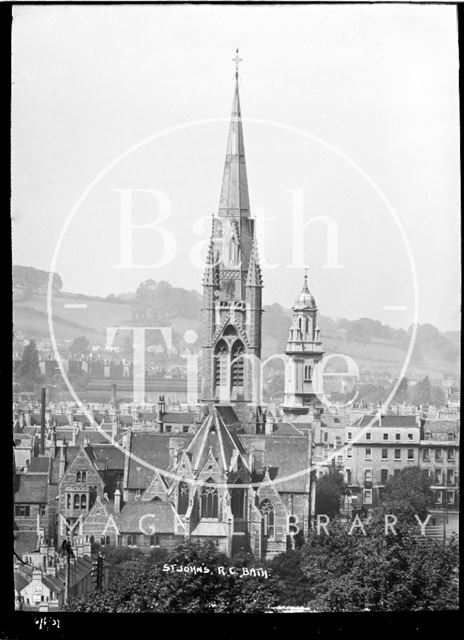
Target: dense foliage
<point>329,490</point>
<point>34,279</point>
<point>155,590</point>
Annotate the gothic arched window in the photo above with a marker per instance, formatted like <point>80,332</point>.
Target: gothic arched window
<point>78,477</point>
<point>221,357</point>
<point>267,512</point>
<point>83,501</point>
<point>77,502</point>
<point>209,500</point>
<point>84,476</point>
<point>68,501</point>
<point>183,498</point>
<point>237,364</point>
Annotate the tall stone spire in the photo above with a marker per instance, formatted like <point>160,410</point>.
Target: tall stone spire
<point>232,285</point>
<point>234,200</point>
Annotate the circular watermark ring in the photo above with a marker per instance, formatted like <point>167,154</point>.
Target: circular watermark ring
<point>291,129</point>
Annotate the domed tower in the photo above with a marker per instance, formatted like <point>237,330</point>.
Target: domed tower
<point>302,353</point>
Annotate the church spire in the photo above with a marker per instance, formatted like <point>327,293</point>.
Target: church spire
<point>234,200</point>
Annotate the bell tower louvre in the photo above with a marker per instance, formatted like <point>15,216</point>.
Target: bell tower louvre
<point>232,282</point>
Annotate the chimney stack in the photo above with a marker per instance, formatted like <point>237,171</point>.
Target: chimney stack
<point>42,421</point>
<point>114,394</point>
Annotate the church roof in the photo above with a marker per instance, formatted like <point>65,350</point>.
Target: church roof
<point>285,456</point>
<point>214,436</point>
<point>152,448</point>
<point>234,199</point>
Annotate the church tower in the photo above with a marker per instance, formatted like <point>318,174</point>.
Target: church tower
<point>302,353</point>
<point>232,283</point>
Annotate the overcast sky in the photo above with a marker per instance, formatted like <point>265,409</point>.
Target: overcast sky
<point>372,86</point>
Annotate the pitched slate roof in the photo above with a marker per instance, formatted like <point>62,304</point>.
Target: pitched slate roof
<point>61,419</point>
<point>32,488</point>
<point>152,448</point>
<point>81,417</point>
<point>179,418</point>
<point>441,426</point>
<point>228,415</point>
<point>20,581</point>
<point>54,583</point>
<point>214,436</point>
<point>110,454</point>
<point>284,457</point>
<point>39,464</point>
<point>25,542</point>
<point>285,429</point>
<point>128,521</point>
<point>93,436</point>
<point>148,415</point>
<point>387,421</point>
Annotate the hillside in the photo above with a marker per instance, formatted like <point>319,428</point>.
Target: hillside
<point>373,346</point>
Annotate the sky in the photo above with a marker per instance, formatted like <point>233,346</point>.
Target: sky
<point>350,118</point>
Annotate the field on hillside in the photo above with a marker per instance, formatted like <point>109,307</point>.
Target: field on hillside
<point>30,316</point>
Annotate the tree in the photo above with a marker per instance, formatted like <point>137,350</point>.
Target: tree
<point>380,572</point>
<point>29,367</point>
<point>178,591</point>
<point>422,392</point>
<point>80,345</point>
<point>409,491</point>
<point>329,490</point>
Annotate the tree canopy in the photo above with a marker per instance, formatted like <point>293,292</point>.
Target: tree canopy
<point>173,591</point>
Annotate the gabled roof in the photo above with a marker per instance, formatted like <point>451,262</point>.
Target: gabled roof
<point>152,448</point>
<point>441,426</point>
<point>32,488</point>
<point>285,456</point>
<point>20,581</point>
<point>24,542</point>
<point>108,454</point>
<point>93,436</point>
<point>214,436</point>
<point>39,464</point>
<point>285,429</point>
<point>179,418</point>
<point>387,422</point>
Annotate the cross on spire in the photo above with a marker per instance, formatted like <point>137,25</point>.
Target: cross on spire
<point>237,59</point>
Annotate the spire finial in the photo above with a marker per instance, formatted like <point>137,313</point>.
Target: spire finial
<point>237,59</point>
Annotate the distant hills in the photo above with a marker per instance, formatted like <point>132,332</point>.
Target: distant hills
<point>373,345</point>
